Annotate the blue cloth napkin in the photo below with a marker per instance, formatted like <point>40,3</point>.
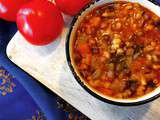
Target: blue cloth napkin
<point>21,96</point>
<point>15,102</point>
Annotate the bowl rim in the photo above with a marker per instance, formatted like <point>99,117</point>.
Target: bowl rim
<point>78,79</point>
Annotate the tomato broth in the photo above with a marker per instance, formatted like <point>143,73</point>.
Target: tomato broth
<point>116,50</point>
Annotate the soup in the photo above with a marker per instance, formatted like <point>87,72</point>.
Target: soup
<point>116,50</point>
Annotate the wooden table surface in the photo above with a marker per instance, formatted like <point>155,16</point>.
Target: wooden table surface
<point>49,66</point>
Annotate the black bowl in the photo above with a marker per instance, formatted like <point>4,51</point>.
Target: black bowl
<point>92,5</point>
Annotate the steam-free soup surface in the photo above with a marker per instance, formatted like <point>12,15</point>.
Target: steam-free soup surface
<point>116,50</point>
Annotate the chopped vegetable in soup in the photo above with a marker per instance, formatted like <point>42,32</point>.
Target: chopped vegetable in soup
<point>116,50</point>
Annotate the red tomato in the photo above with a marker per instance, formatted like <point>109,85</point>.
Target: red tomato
<point>40,22</point>
<point>9,8</point>
<point>71,7</point>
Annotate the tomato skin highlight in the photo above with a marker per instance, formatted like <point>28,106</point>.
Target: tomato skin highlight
<point>9,8</point>
<point>40,22</point>
<point>71,7</point>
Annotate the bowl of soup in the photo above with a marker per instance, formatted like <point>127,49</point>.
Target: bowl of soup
<point>113,50</point>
